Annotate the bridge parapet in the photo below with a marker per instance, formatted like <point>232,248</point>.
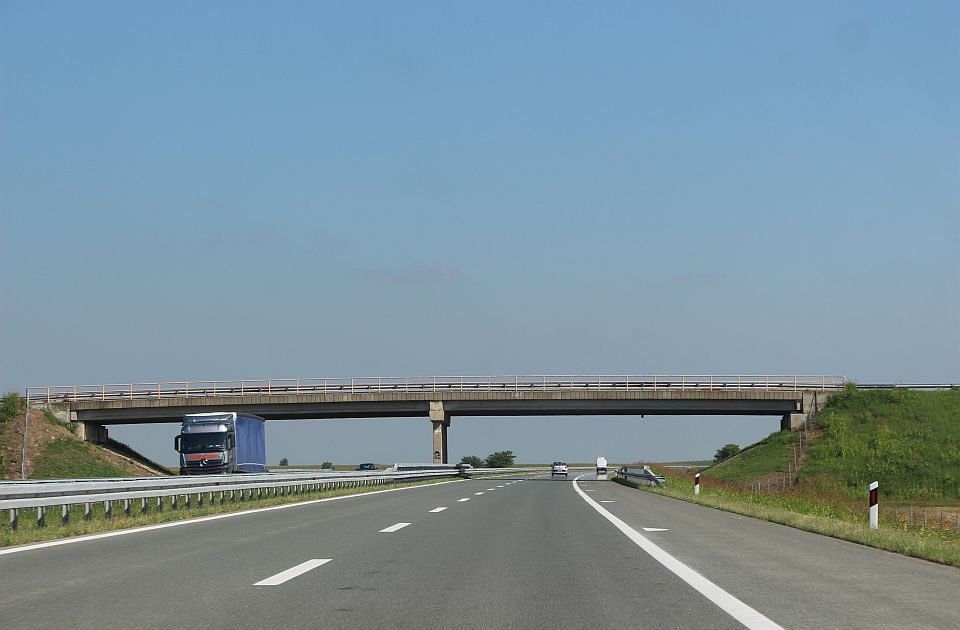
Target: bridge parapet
<point>431,384</point>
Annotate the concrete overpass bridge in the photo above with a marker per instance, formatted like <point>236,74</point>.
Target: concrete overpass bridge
<point>792,398</point>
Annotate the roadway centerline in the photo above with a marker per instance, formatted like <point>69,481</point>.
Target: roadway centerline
<point>393,528</point>
<point>463,499</point>
<point>293,572</point>
<point>437,509</point>
<point>749,617</point>
<point>477,494</point>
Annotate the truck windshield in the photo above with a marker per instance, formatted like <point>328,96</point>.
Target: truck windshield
<point>195,442</point>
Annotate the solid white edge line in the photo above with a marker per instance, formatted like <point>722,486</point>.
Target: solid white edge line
<point>728,603</point>
<point>393,528</point>
<point>292,572</point>
<point>437,509</point>
<point>204,519</point>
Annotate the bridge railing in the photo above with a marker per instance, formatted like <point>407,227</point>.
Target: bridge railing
<point>367,384</point>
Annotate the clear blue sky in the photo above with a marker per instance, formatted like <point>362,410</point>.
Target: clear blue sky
<point>231,189</point>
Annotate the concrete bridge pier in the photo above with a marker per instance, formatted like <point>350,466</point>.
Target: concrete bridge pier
<point>792,421</point>
<point>93,432</point>
<point>440,420</point>
<point>812,403</point>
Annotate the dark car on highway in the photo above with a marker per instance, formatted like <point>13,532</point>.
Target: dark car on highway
<point>367,466</point>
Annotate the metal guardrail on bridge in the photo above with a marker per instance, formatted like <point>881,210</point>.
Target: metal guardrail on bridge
<point>440,384</point>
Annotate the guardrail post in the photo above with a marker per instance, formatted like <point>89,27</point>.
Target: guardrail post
<point>65,514</point>
<point>13,519</point>
<point>159,504</point>
<point>126,507</point>
<point>108,509</point>
<point>199,499</point>
<point>173,502</point>
<point>41,516</point>
<point>143,505</point>
<point>221,497</point>
<point>87,511</point>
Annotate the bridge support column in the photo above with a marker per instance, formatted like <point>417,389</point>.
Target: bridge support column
<point>792,421</point>
<point>440,420</point>
<point>92,432</point>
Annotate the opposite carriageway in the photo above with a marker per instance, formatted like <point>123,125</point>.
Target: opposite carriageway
<point>792,398</point>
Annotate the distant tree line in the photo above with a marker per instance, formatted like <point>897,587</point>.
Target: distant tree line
<point>725,451</point>
<point>500,459</point>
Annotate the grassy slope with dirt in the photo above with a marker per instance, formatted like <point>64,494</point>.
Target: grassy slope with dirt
<point>906,440</point>
<point>54,450</point>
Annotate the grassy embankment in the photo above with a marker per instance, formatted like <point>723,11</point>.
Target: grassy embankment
<point>908,441</point>
<point>9,406</point>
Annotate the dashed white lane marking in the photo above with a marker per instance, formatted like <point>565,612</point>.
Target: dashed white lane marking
<point>463,499</point>
<point>437,509</point>
<point>477,494</point>
<point>393,528</point>
<point>491,489</point>
<point>292,572</point>
<point>743,613</point>
<point>655,529</point>
<point>590,490</point>
<point>499,486</point>
<point>608,501</point>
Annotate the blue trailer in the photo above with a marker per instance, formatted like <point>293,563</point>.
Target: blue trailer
<point>221,442</point>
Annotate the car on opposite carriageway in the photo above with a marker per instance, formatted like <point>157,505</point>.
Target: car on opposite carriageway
<point>366,466</point>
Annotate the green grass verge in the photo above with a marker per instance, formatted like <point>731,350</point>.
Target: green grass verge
<point>28,531</point>
<point>763,458</point>
<point>908,441</point>
<point>123,449</point>
<point>66,458</point>
<point>10,406</point>
<point>806,513</point>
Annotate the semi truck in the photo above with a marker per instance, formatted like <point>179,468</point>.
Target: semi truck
<point>221,442</point>
<point>601,468</point>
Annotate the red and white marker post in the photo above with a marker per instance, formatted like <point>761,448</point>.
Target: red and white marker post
<point>696,484</point>
<point>874,507</point>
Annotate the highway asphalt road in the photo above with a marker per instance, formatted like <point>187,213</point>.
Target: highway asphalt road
<point>502,553</point>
